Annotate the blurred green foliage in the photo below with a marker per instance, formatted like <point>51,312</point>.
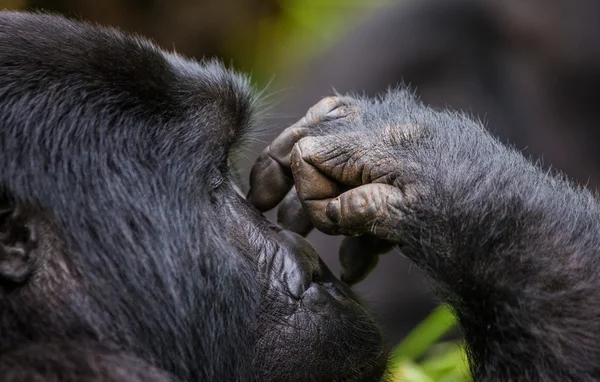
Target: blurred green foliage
<point>304,28</point>
<point>11,4</point>
<point>420,357</point>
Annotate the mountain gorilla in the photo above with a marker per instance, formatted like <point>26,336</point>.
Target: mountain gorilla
<point>125,252</point>
<point>513,249</point>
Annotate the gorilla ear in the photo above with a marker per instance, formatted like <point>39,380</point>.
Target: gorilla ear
<point>17,241</point>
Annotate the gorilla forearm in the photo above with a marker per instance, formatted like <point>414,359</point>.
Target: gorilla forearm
<point>481,209</point>
<point>513,249</point>
<point>510,247</point>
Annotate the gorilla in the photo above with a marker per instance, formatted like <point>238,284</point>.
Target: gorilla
<point>512,248</point>
<point>126,253</point>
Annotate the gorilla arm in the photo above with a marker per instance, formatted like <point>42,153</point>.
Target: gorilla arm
<point>512,249</point>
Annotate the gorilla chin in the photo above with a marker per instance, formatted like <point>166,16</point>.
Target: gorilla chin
<point>326,332</point>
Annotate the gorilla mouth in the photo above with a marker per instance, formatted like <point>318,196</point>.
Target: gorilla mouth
<point>302,298</point>
<point>324,312</point>
<point>304,291</point>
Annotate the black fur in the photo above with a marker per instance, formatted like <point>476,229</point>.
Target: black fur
<point>515,247</point>
<point>116,154</point>
<point>76,362</point>
<point>512,248</point>
<point>529,69</point>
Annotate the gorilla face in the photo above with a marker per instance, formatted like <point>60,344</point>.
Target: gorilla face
<point>307,317</point>
<point>120,224</point>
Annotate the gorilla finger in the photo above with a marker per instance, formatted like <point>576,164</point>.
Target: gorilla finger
<point>311,184</point>
<point>281,147</point>
<point>332,155</point>
<point>292,216</point>
<point>270,177</point>
<point>316,211</point>
<point>329,108</point>
<point>359,256</point>
<point>370,208</point>
<point>269,182</point>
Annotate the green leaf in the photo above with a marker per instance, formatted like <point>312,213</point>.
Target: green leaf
<point>428,332</point>
<point>410,372</point>
<point>447,362</point>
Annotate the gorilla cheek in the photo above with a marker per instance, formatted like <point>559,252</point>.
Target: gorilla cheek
<point>307,316</point>
<point>314,317</point>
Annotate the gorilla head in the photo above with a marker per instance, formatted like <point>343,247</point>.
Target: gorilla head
<point>120,224</point>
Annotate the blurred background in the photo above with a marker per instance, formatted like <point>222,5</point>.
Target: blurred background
<point>529,69</point>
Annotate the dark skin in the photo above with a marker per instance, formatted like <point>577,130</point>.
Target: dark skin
<point>272,181</point>
<point>511,248</point>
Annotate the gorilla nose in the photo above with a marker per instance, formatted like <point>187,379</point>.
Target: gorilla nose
<point>286,260</point>
<point>298,265</point>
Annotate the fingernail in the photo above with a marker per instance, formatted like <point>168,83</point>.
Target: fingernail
<point>334,211</point>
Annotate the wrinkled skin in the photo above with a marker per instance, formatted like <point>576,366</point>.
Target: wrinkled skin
<point>322,177</point>
<point>511,248</point>
<point>125,251</point>
<point>301,295</point>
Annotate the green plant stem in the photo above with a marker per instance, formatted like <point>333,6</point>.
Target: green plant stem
<point>428,332</point>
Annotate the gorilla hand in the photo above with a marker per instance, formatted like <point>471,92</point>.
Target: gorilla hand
<point>347,166</point>
<point>513,249</point>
